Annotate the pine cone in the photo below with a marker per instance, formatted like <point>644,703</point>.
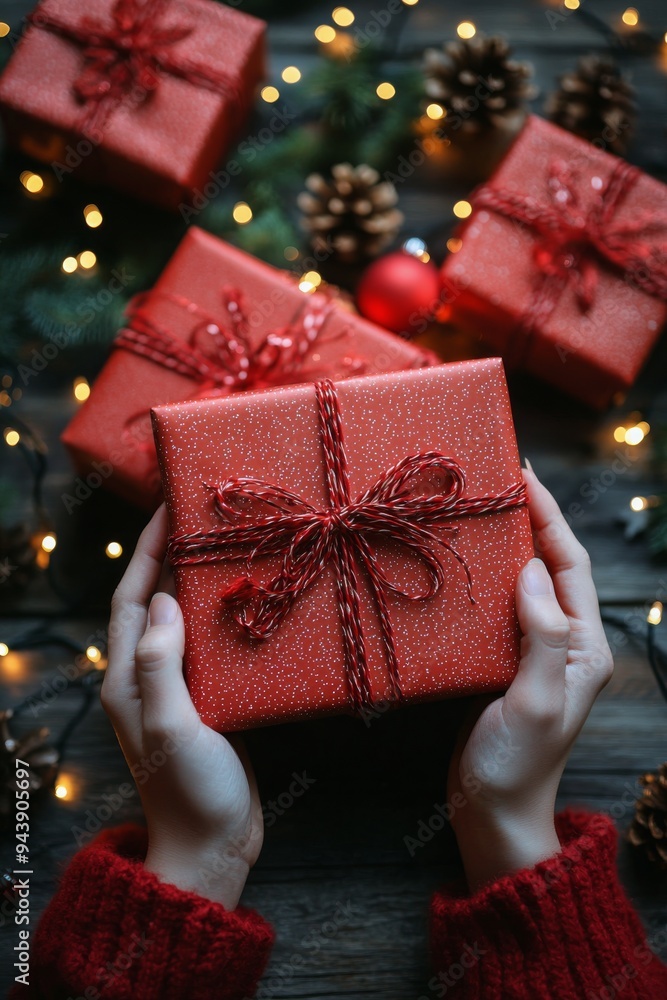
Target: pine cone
<point>42,761</point>
<point>352,214</point>
<point>476,82</point>
<point>595,101</point>
<point>648,830</point>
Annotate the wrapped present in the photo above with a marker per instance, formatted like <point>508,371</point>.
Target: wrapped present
<point>562,265</point>
<point>346,547</point>
<point>145,96</point>
<point>217,321</point>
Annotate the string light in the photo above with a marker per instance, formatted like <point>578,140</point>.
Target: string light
<point>454,244</point>
<point>466,29</point>
<point>385,91</point>
<point>61,791</point>
<point>630,16</point>
<point>343,16</point>
<point>69,265</point>
<point>31,182</point>
<point>638,503</point>
<point>81,389</point>
<point>4,649</point>
<point>571,4</point>
<point>654,616</point>
<point>49,543</point>
<point>4,29</point>
<point>290,253</point>
<point>93,216</point>
<point>114,550</point>
<point>435,111</point>
<point>410,3</point>
<point>94,654</point>
<point>462,209</point>
<point>291,74</point>
<point>242,213</point>
<point>310,281</point>
<point>87,259</point>
<point>634,435</point>
<point>270,94</point>
<point>12,437</point>
<point>325,33</point>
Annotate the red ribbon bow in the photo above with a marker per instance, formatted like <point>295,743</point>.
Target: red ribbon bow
<point>576,233</point>
<point>401,506</point>
<point>128,55</point>
<point>222,359</point>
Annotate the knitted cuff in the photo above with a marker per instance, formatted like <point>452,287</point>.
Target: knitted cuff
<point>562,929</point>
<point>114,930</point>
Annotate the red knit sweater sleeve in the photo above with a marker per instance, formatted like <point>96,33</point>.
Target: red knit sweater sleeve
<point>564,929</point>
<point>114,930</point>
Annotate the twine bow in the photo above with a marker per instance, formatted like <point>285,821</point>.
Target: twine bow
<point>576,233</point>
<point>219,356</point>
<point>405,506</point>
<point>127,56</point>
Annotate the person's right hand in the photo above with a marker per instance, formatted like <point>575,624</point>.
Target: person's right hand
<point>199,794</point>
<point>508,764</point>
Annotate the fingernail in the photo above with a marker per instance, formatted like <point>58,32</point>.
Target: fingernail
<point>535,579</point>
<point>162,610</point>
<point>528,465</point>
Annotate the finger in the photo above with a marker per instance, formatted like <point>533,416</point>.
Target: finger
<point>538,691</point>
<point>166,706</point>
<point>565,557</point>
<point>129,607</point>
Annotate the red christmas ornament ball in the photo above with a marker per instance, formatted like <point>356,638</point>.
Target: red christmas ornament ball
<point>398,291</point>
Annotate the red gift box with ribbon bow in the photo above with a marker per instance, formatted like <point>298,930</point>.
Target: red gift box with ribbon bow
<point>563,264</point>
<point>217,321</point>
<point>346,547</point>
<point>145,95</point>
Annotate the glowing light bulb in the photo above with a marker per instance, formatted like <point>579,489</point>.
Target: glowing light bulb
<point>87,259</point>
<point>454,244</point>
<point>31,182</point>
<point>630,16</point>
<point>49,543</point>
<point>69,264</point>
<point>466,29</point>
<point>290,253</point>
<point>61,791</point>
<point>634,435</point>
<point>114,550</point>
<point>462,209</point>
<point>310,281</point>
<point>325,33</point>
<point>571,4</point>
<point>385,90</point>
<point>93,216</point>
<point>4,649</point>
<point>343,16</point>
<point>435,111</point>
<point>291,74</point>
<point>4,29</point>
<point>93,654</point>
<point>242,213</point>
<point>654,616</point>
<point>81,389</point>
<point>12,437</point>
<point>638,503</point>
<point>270,94</point>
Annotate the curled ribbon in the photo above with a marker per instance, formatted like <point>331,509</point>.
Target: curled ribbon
<point>128,55</point>
<point>576,233</point>
<point>401,506</point>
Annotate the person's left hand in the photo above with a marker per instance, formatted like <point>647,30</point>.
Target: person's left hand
<point>199,794</point>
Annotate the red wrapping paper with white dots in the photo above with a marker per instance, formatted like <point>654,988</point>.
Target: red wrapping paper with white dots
<point>445,646</point>
<point>578,300</point>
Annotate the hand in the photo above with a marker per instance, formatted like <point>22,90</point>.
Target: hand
<point>199,794</point>
<point>509,762</point>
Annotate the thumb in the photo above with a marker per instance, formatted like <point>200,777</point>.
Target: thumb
<point>538,691</point>
<point>165,700</point>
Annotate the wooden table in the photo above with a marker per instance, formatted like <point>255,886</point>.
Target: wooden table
<point>336,877</point>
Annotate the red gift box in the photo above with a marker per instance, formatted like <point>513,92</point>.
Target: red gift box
<point>218,320</point>
<point>143,96</point>
<point>427,457</point>
<point>563,264</point>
